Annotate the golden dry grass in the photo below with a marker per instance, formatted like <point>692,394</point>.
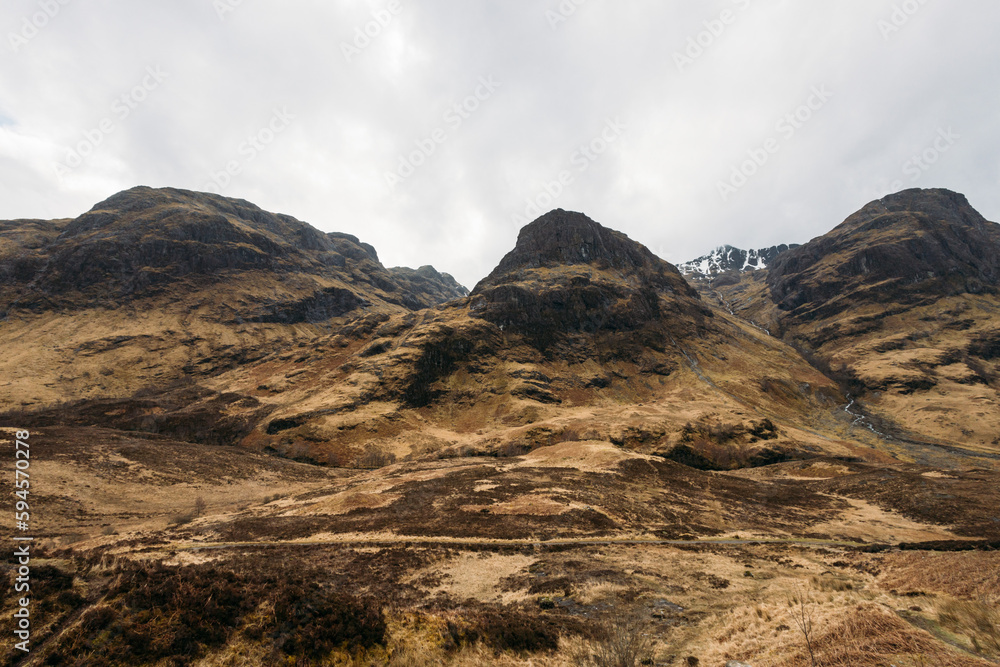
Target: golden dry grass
<point>477,576</point>
<point>965,575</point>
<point>870,635</point>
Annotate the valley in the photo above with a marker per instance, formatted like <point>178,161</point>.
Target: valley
<point>252,443</point>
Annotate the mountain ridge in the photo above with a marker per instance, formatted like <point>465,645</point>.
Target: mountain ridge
<point>913,244</point>
<point>142,240</point>
<point>899,302</point>
<point>479,479</point>
<point>152,285</point>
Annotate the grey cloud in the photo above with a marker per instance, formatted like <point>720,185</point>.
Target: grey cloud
<point>658,181</point>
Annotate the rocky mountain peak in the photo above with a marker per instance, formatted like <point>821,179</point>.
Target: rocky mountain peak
<point>562,238</point>
<point>165,242</point>
<point>935,204</point>
<point>905,247</point>
<point>569,274</point>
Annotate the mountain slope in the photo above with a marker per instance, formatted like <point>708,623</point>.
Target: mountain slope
<point>154,285</point>
<point>141,242</point>
<point>901,302</point>
<point>579,334</point>
<point>912,247</point>
<point>509,466</point>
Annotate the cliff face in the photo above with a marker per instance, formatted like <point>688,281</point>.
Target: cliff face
<point>569,274</point>
<point>566,238</point>
<point>908,247</point>
<point>143,242</point>
<point>156,286</point>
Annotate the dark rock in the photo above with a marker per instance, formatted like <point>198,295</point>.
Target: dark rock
<point>563,238</point>
<point>568,275</point>
<point>986,346</point>
<point>426,282</point>
<point>904,248</point>
<point>142,242</point>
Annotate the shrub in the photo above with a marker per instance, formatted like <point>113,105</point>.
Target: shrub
<point>623,640</point>
<point>160,614</point>
<point>517,632</point>
<point>315,621</point>
<point>505,630</point>
<point>373,458</point>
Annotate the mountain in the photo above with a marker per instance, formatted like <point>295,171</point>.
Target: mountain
<point>569,274</point>
<point>145,242</point>
<point>900,302</point>
<point>575,322</point>
<point>584,447</point>
<point>912,247</point>
<point>152,285</point>
<point>727,258</point>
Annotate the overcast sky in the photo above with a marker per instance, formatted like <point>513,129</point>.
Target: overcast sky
<point>635,112</point>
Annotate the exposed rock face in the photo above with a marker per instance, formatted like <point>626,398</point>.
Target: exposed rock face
<point>426,283</point>
<point>727,258</point>
<point>900,303</point>
<point>154,286</point>
<point>22,244</point>
<point>907,247</point>
<point>563,238</point>
<point>141,241</point>
<point>569,274</point>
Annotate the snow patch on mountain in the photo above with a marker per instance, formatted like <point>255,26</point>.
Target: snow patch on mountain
<point>727,258</point>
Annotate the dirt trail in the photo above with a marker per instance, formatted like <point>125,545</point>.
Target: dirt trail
<point>582,542</point>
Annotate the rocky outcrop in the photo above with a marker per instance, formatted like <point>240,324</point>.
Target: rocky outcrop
<point>426,284</point>
<point>565,238</point>
<point>905,248</point>
<point>569,274</point>
<point>142,241</point>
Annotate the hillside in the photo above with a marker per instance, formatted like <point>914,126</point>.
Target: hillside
<point>580,333</point>
<point>273,450</point>
<point>899,303</point>
<point>153,286</point>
